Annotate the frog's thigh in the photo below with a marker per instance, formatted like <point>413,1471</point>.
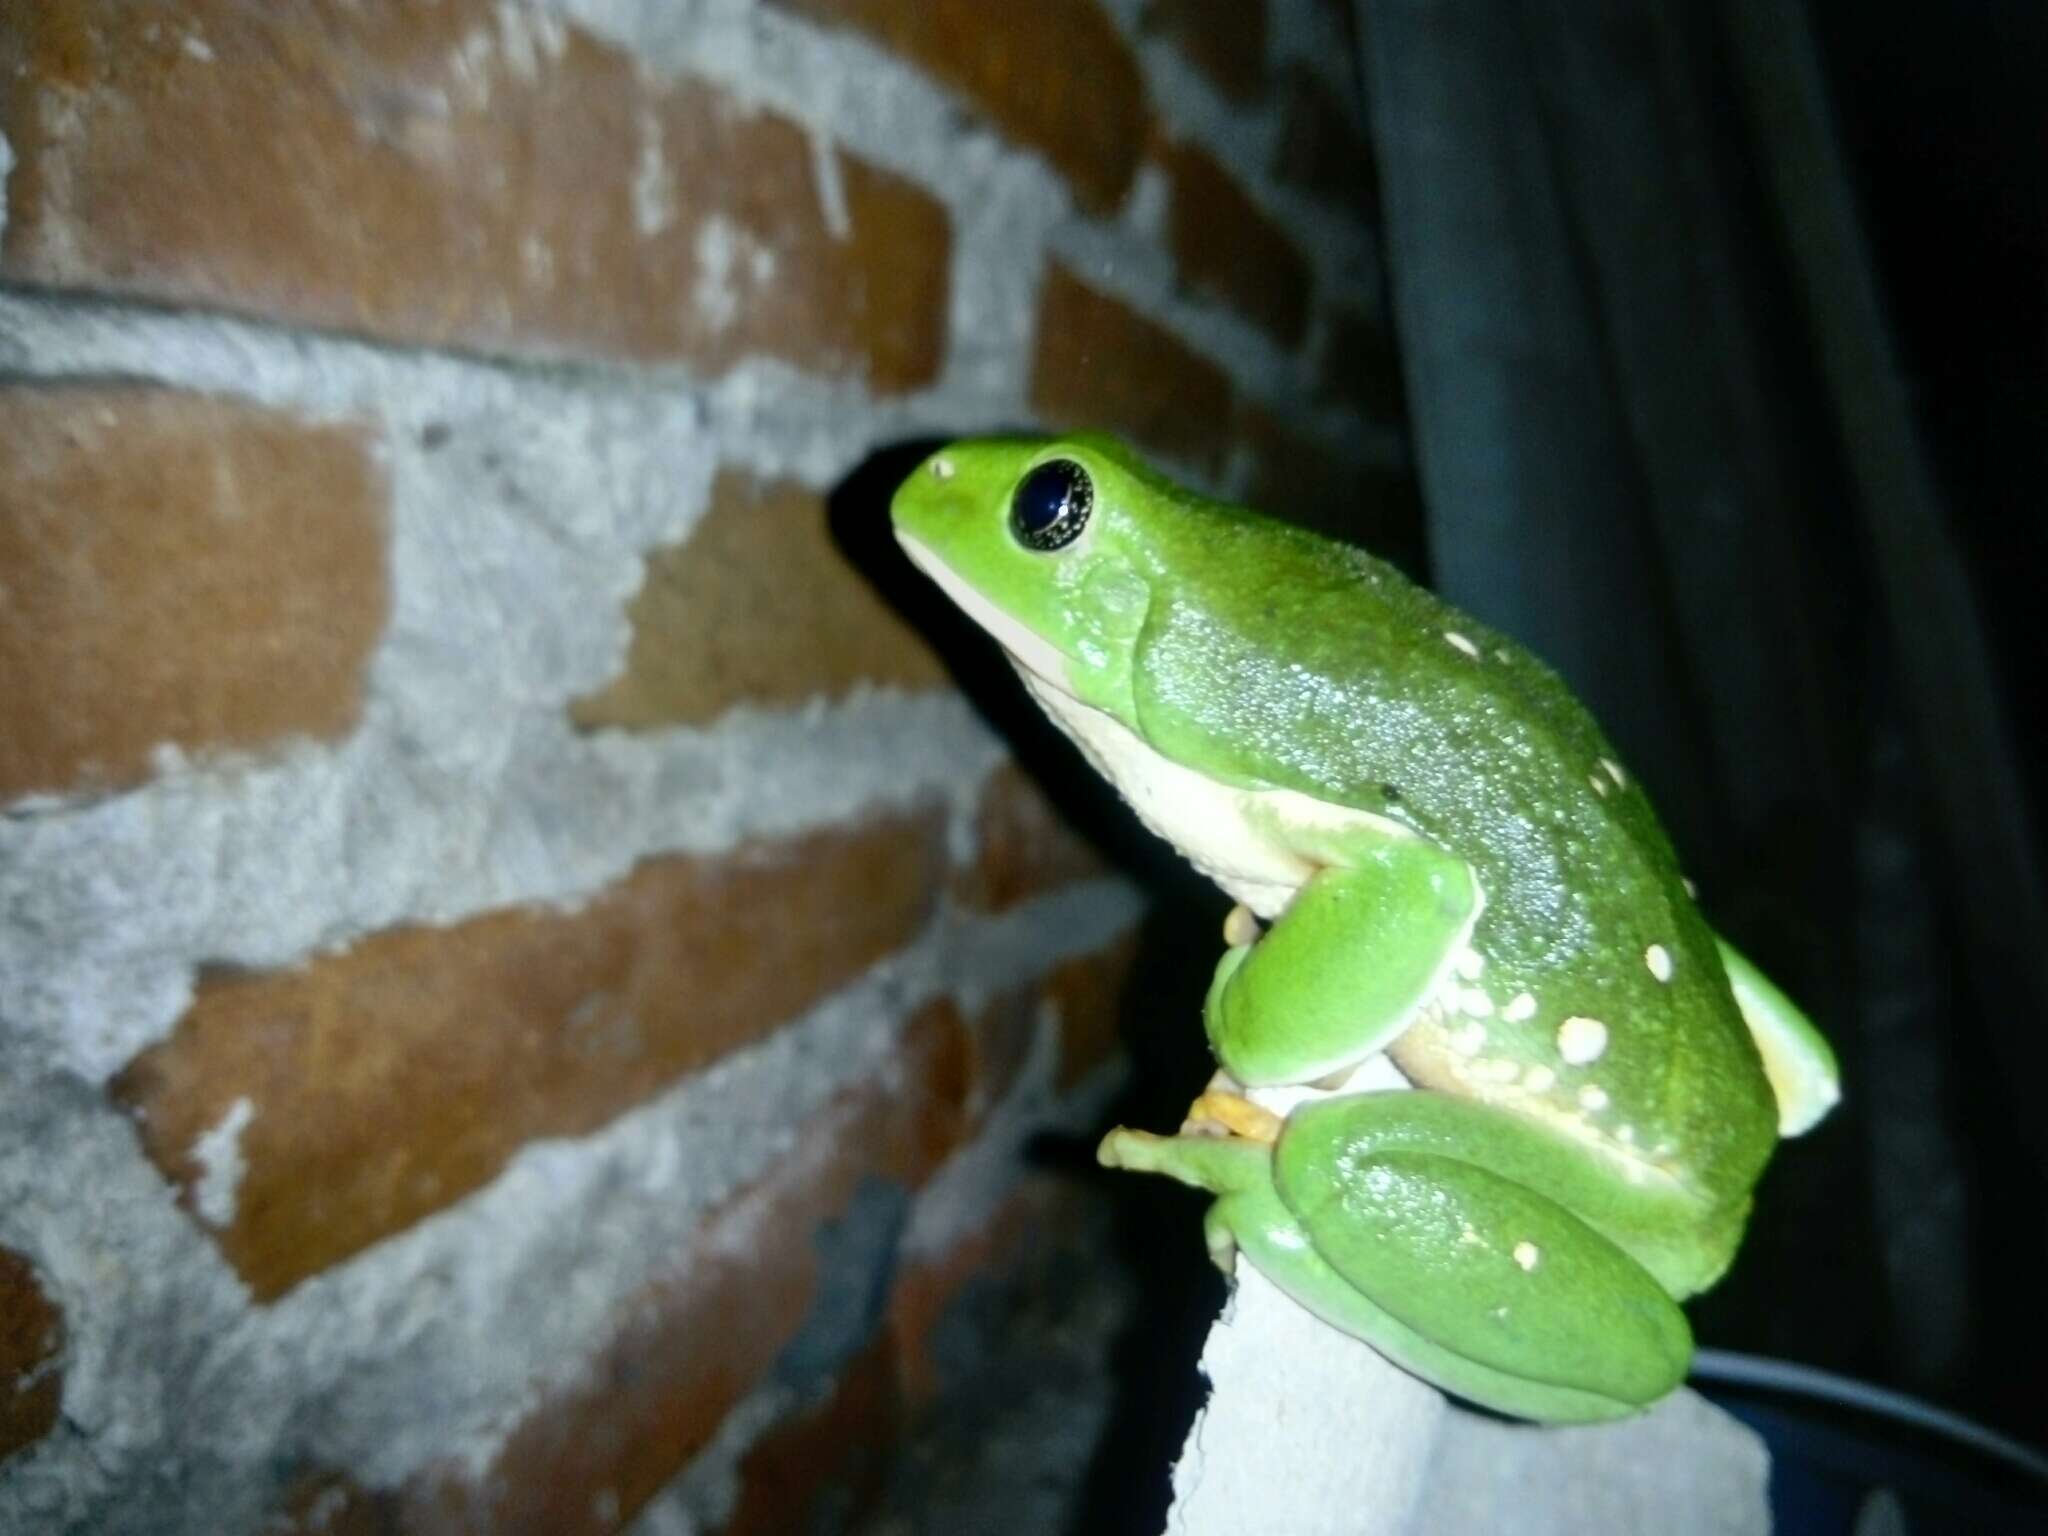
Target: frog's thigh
<point>1400,1194</point>
<point>1343,970</point>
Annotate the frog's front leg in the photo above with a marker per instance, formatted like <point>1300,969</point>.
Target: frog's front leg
<point>1488,1251</point>
<point>1344,968</point>
<point>1230,1167</point>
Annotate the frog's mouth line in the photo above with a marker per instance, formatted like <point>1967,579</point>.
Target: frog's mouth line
<point>1029,650</point>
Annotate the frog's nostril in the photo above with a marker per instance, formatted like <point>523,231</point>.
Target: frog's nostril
<point>942,468</point>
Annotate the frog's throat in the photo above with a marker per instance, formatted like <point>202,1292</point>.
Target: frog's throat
<point>1028,649</point>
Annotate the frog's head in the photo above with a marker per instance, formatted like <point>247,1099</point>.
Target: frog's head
<point>1045,543</point>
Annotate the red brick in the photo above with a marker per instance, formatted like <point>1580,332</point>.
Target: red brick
<point>1360,367</point>
<point>1087,997</point>
<point>392,1079</point>
<point>1055,75</point>
<point>31,1341</point>
<point>1023,847</point>
<point>694,1344</point>
<point>999,1038</point>
<point>1096,363</point>
<point>927,1288</point>
<point>975,1061</point>
<point>1229,250</point>
<point>323,1503</point>
<point>464,173</point>
<point>178,569</point>
<point>1321,149</point>
<point>840,1448</point>
<point>940,1039</point>
<point>1295,477</point>
<point>756,606</point>
<point>1224,39</point>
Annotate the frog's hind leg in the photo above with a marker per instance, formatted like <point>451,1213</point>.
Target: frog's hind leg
<point>1478,1236</point>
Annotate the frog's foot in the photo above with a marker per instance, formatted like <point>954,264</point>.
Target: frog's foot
<point>1235,1114</point>
<point>1220,1081</point>
<point>1219,1238</point>
<point>1241,927</point>
<point>1221,1164</point>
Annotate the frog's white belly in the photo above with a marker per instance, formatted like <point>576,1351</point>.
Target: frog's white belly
<point>1210,823</point>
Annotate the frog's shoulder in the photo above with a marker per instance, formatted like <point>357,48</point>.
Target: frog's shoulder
<point>1295,660</point>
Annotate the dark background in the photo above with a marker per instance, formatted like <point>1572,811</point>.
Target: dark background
<point>1723,332</point>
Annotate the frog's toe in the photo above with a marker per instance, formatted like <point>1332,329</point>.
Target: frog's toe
<point>1241,927</point>
<point>1234,1114</point>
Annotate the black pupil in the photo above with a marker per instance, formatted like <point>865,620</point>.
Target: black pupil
<point>1051,506</point>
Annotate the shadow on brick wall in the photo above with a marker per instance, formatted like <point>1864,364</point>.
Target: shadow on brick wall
<point>1137,1295</point>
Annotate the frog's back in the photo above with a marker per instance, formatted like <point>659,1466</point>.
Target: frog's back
<point>1594,998</point>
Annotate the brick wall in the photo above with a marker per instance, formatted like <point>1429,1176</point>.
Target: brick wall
<point>522,982</point>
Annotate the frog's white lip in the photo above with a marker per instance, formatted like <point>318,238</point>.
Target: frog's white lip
<point>1029,650</point>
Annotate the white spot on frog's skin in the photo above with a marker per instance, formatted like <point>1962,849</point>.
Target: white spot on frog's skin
<point>943,468</point>
<point>1614,772</point>
<point>1690,889</point>
<point>1593,1098</point>
<point>1240,928</point>
<point>1462,643</point>
<point>1469,1235</point>
<point>1581,1040</point>
<point>1469,1039</point>
<point>1658,959</point>
<point>1599,784</point>
<point>1625,1134</point>
<point>1499,1070</point>
<point>1539,1079</point>
<point>1470,964</point>
<point>1475,1001</point>
<point>1522,1007</point>
<point>1528,1255</point>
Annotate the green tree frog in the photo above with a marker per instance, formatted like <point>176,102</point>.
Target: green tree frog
<point>1438,860</point>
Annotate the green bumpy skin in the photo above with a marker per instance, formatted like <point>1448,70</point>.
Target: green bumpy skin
<point>1458,872</point>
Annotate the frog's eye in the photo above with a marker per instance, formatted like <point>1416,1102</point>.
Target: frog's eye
<point>1051,505</point>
